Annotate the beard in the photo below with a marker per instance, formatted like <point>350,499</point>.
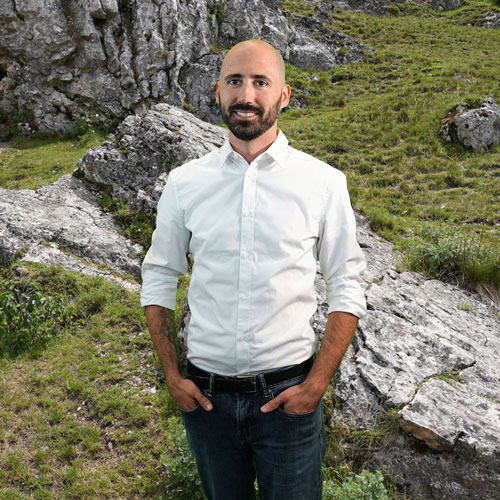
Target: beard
<point>249,130</point>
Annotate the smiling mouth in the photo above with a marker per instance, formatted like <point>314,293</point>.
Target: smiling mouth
<point>245,114</point>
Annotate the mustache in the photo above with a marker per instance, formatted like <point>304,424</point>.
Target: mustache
<point>245,107</point>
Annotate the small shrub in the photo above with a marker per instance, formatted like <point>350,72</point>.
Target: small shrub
<point>364,486</point>
<point>183,482</point>
<point>445,253</point>
<point>29,318</point>
<point>137,225</point>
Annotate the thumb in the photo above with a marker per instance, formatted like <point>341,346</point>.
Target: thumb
<point>204,402</point>
<point>272,405</point>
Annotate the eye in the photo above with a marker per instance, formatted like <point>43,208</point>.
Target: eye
<point>233,81</point>
<point>261,83</point>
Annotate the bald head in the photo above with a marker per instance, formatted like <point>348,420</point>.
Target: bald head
<point>259,50</point>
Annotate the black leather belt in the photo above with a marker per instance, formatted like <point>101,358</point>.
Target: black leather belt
<point>246,384</point>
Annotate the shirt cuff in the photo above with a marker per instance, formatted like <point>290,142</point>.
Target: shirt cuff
<point>159,291</point>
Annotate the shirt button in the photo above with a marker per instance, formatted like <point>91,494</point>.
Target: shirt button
<point>243,297</point>
<point>244,255</point>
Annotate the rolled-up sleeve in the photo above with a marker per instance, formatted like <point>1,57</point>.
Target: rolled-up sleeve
<point>340,257</point>
<point>166,259</point>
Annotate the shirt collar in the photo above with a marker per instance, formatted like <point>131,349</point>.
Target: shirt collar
<point>277,150</point>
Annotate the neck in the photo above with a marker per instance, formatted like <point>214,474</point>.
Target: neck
<point>251,149</point>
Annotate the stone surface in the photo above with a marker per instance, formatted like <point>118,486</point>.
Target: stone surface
<point>492,21</point>
<point>144,149</point>
<point>446,4</point>
<point>101,60</point>
<point>430,351</point>
<point>61,224</point>
<point>477,128</point>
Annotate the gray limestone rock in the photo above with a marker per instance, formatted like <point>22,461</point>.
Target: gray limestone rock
<point>477,128</point>
<point>101,60</point>
<point>428,350</point>
<point>492,21</point>
<point>446,4</point>
<point>134,166</point>
<point>62,224</point>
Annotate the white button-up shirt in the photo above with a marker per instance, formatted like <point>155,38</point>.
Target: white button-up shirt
<point>255,232</point>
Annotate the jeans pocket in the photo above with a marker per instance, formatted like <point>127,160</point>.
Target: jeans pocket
<point>298,415</point>
<point>189,412</point>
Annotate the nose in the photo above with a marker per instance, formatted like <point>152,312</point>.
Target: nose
<point>246,94</point>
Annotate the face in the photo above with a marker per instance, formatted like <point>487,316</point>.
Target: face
<point>246,121</point>
<point>251,91</point>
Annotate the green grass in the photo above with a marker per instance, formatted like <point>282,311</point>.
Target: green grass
<point>79,420</point>
<point>299,7</point>
<point>378,121</point>
<point>29,162</point>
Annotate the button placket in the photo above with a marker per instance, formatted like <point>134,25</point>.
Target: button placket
<point>245,270</point>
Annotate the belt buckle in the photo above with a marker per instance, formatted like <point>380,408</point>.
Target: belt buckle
<point>249,381</point>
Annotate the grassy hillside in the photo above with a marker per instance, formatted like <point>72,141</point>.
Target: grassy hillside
<point>88,415</point>
<point>378,121</point>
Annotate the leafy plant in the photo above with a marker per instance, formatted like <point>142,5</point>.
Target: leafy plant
<point>364,486</point>
<point>136,225</point>
<point>29,318</point>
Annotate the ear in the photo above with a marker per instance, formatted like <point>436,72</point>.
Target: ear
<point>285,95</point>
<point>217,92</point>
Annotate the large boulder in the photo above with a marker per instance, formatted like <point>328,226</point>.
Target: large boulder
<point>492,21</point>
<point>101,60</point>
<point>426,352</point>
<point>135,165</point>
<point>477,128</point>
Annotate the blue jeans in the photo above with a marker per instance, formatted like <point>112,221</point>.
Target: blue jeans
<point>236,442</point>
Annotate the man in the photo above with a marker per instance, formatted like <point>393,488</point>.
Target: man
<point>256,215</point>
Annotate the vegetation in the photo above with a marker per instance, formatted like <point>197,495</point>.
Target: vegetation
<point>29,318</point>
<point>299,7</point>
<point>364,486</point>
<point>29,162</point>
<point>84,412</point>
<point>378,121</point>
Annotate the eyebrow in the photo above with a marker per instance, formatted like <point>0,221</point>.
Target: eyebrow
<point>239,75</point>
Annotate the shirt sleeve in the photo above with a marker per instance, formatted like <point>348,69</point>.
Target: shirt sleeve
<point>340,257</point>
<point>166,259</point>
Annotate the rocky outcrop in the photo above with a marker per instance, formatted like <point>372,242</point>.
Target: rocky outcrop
<point>446,4</point>
<point>492,21</point>
<point>61,224</point>
<point>427,352</point>
<point>102,59</point>
<point>477,128</point>
<point>135,165</point>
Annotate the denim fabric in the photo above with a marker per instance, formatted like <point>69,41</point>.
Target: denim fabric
<point>236,442</point>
